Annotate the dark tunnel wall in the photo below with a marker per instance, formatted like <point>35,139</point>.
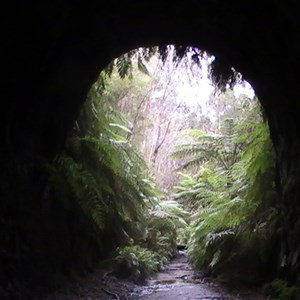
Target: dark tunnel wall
<point>52,52</point>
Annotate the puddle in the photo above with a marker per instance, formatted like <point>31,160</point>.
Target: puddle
<point>177,274</point>
<point>179,281</point>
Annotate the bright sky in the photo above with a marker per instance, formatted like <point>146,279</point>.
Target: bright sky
<point>197,91</point>
<point>193,86</point>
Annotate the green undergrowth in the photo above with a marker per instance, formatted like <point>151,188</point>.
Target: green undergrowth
<point>136,262</point>
<point>235,218</point>
<point>164,224</point>
<point>108,180</point>
<point>280,289</point>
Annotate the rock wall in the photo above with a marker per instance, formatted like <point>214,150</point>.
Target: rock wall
<point>52,52</point>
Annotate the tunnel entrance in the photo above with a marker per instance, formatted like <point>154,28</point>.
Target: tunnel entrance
<point>153,166</point>
<point>52,55</point>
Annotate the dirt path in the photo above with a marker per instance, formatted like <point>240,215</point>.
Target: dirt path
<point>179,281</point>
<point>176,282</point>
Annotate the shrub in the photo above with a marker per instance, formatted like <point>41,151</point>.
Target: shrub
<point>280,290</point>
<point>136,262</point>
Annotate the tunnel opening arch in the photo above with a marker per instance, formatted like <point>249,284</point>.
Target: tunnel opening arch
<point>125,93</point>
<point>61,60</point>
<point>261,84</point>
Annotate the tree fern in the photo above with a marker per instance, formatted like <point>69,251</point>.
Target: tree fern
<point>242,156</point>
<point>72,180</point>
<point>103,172</point>
<point>220,148</point>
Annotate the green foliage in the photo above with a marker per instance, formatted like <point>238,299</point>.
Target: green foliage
<point>162,234</point>
<point>124,63</point>
<point>280,289</point>
<point>72,181</point>
<point>232,196</point>
<point>163,222</point>
<point>136,262</point>
<point>139,261</point>
<point>104,173</point>
<point>221,149</point>
<point>110,181</point>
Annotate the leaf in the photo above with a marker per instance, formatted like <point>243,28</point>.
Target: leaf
<point>142,67</point>
<point>124,128</point>
<point>216,258</point>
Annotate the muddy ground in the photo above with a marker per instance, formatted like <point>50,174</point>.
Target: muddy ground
<point>176,281</point>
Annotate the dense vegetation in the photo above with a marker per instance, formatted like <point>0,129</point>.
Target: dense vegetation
<point>138,154</point>
<point>225,173</point>
<point>232,199</point>
<point>108,178</point>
